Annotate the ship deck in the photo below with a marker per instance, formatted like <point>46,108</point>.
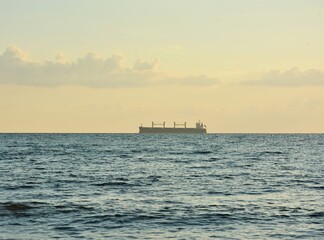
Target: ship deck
<point>172,130</point>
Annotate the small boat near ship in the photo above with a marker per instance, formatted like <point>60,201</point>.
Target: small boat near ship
<point>176,129</point>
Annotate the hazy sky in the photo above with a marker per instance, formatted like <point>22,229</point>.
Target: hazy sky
<point>108,66</point>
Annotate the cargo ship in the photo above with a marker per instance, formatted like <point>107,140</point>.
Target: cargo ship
<point>176,129</point>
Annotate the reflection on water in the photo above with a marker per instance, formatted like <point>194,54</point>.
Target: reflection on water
<point>161,186</point>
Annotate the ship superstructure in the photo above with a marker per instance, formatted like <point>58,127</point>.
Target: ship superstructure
<point>177,128</point>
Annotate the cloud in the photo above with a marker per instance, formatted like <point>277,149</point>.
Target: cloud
<point>291,78</point>
<point>197,80</point>
<point>141,65</point>
<point>90,70</point>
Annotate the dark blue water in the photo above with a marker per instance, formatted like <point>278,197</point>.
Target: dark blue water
<point>120,186</point>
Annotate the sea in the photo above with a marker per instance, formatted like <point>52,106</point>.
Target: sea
<point>133,186</point>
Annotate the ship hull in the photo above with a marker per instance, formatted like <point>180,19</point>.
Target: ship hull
<point>172,130</point>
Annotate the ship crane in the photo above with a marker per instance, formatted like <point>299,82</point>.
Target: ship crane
<point>158,124</point>
<point>180,124</point>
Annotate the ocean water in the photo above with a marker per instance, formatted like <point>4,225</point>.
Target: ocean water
<point>131,186</point>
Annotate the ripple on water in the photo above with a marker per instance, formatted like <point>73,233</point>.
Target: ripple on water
<point>145,187</point>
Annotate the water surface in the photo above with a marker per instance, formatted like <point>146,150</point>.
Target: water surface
<point>120,186</point>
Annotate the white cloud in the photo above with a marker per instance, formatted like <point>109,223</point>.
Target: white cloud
<point>15,54</point>
<point>141,65</point>
<point>91,70</point>
<point>291,78</point>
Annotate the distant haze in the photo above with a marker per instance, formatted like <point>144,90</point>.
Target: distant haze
<point>108,66</point>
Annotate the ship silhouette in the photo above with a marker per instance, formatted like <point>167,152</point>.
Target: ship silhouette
<point>178,128</point>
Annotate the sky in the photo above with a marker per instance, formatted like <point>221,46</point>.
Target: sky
<point>253,66</point>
